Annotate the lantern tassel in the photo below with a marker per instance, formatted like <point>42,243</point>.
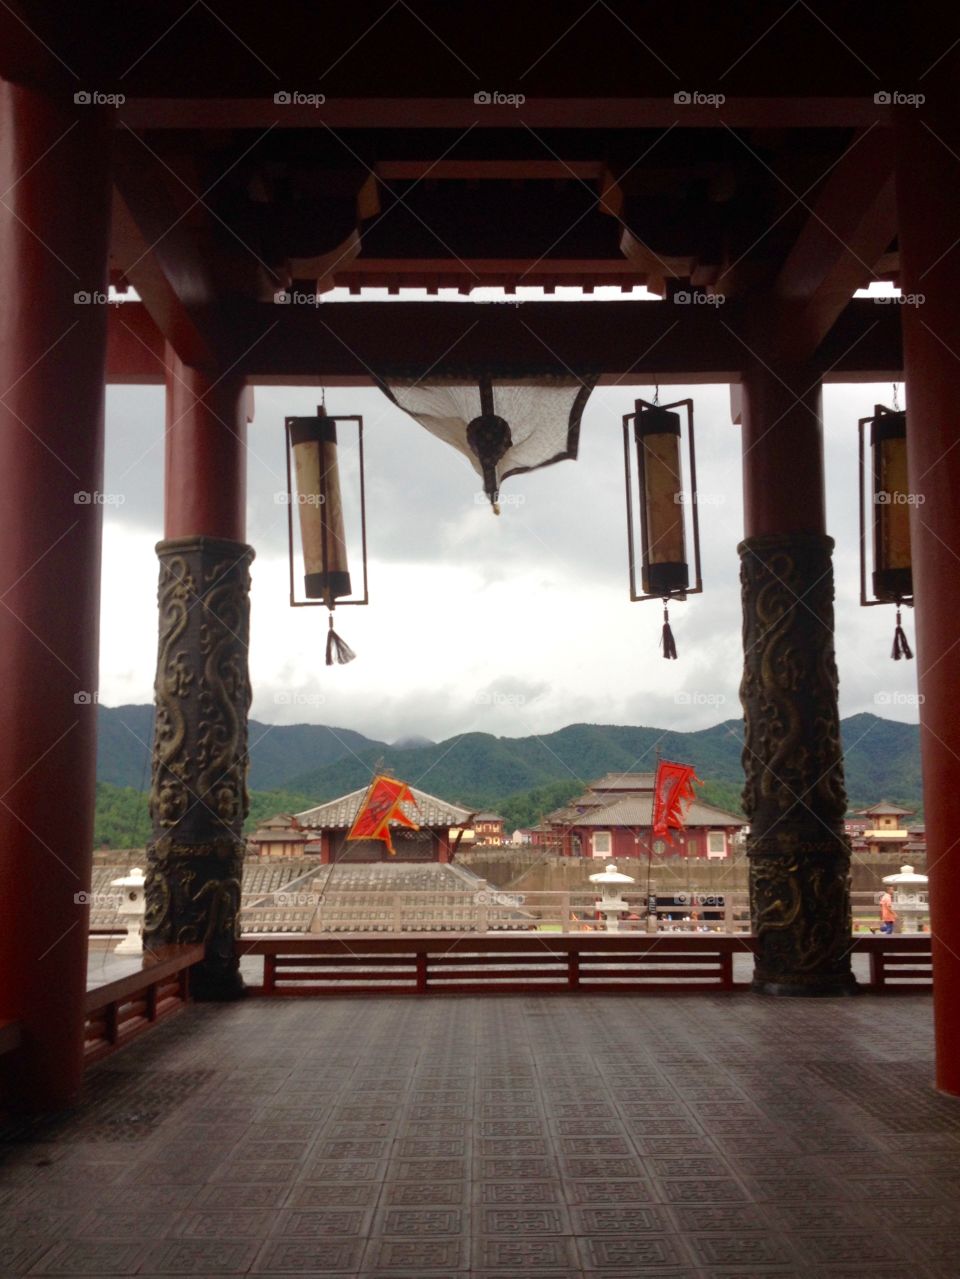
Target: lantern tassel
<point>338,653</point>
<point>900,646</point>
<point>667,642</point>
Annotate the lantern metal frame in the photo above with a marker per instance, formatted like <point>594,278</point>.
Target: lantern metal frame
<point>697,587</point>
<point>321,603</point>
<point>879,411</point>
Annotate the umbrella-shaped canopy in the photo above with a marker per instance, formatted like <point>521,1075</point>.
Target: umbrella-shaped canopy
<point>502,425</point>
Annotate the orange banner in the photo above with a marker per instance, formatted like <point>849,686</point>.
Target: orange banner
<point>672,792</point>
<point>380,807</point>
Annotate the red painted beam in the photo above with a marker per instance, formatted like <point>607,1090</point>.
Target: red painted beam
<point>737,112</point>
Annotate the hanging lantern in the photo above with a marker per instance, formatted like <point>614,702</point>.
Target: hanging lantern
<point>663,501</point>
<point>892,573</point>
<point>313,486</point>
<point>504,426</point>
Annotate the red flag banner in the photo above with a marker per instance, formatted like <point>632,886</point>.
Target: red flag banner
<point>672,793</point>
<point>380,807</point>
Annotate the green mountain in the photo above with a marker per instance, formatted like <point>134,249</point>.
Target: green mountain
<point>522,777</point>
<point>882,761</point>
<point>277,752</point>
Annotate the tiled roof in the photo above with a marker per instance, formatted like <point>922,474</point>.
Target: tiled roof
<point>339,814</point>
<point>886,809</point>
<point>624,782</point>
<point>487,817</point>
<point>638,811</point>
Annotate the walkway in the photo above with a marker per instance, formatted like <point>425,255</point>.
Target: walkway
<point>608,1136</point>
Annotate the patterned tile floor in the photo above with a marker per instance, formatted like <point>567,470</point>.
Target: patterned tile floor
<point>590,1136</point>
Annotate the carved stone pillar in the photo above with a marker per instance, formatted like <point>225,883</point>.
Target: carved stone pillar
<point>794,796</point>
<point>198,798</point>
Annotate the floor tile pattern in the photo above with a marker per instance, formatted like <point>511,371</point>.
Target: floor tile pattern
<point>597,1136</point>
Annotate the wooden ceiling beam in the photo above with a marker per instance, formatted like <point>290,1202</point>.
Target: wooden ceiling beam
<point>854,112</point>
<point>490,170</point>
<point>346,343</point>
<point>851,226</point>
<point>164,243</point>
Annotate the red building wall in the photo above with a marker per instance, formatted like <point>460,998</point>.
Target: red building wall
<point>628,843</point>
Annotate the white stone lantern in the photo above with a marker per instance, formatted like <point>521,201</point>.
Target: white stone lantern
<point>611,905</point>
<point>909,897</point>
<point>132,906</point>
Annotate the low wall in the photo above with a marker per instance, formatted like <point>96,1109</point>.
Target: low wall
<point>524,868</point>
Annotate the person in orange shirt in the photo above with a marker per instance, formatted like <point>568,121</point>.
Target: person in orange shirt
<point>888,916</point>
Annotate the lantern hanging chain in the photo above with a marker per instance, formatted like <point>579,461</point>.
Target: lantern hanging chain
<point>900,646</point>
<point>667,642</point>
<point>896,398</point>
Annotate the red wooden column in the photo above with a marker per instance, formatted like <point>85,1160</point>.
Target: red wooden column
<point>928,195</point>
<point>198,798</point>
<point>205,481</point>
<point>794,796</point>
<point>54,227</point>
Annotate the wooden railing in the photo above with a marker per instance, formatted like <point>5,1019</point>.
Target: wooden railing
<point>671,963</point>
<point>899,963</point>
<point>493,964</point>
<point>122,1009</point>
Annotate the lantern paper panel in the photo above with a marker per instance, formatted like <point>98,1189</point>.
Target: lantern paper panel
<point>503,426</point>
<point>657,436</point>
<point>661,500</point>
<point>320,507</point>
<point>328,534</point>
<point>892,570</point>
<point>888,492</point>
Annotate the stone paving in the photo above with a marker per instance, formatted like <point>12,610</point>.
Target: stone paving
<point>500,1136</point>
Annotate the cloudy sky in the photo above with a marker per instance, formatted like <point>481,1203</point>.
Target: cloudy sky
<point>512,625</point>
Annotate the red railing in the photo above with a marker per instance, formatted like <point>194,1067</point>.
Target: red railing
<point>120,1010</point>
<point>901,963</point>
<point>417,964</point>
<point>460,964</point>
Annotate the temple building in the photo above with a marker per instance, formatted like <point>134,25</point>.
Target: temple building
<point>488,829</point>
<point>279,836</point>
<point>613,818</point>
<point>326,828</point>
<point>884,830</point>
